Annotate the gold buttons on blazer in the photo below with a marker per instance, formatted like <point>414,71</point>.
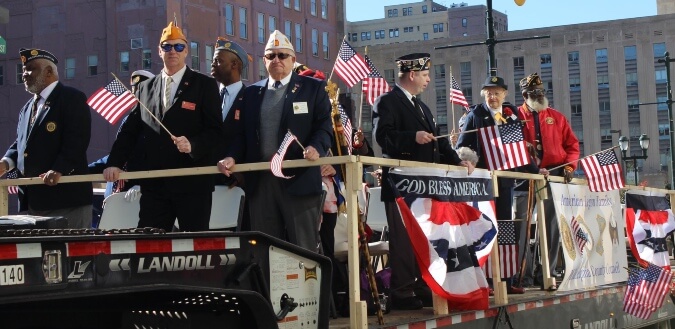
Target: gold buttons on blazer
<point>25,155</point>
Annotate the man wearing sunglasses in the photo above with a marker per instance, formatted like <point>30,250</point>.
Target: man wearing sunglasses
<point>555,144</point>
<point>284,208</point>
<point>186,102</point>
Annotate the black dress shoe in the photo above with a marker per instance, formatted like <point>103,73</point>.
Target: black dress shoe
<point>407,303</point>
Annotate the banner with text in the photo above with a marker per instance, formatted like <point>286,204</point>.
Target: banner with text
<point>592,234</point>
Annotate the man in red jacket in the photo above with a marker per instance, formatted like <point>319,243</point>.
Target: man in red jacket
<point>555,143</point>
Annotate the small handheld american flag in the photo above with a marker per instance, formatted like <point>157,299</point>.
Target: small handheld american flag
<point>504,146</point>
<point>275,164</point>
<point>112,101</point>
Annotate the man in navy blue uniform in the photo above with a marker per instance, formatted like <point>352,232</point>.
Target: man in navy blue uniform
<point>284,208</point>
<point>52,139</point>
<point>187,104</point>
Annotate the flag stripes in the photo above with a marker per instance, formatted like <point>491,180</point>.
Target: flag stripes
<point>603,171</point>
<point>112,101</point>
<point>504,146</point>
<point>275,164</point>
<point>349,65</point>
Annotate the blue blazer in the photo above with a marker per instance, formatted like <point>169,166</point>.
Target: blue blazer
<point>58,141</point>
<point>313,128</point>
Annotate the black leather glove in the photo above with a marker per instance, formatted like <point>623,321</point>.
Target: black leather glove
<point>568,174</point>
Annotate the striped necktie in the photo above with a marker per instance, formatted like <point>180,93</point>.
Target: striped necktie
<point>167,93</point>
<point>34,109</point>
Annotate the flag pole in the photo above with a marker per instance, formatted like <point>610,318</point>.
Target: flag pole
<point>143,106</point>
<point>590,155</point>
<point>296,140</point>
<point>333,69</point>
<point>360,112</point>
<point>452,104</point>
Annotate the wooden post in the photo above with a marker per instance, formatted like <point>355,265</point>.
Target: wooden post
<point>498,285</point>
<point>440,305</point>
<point>358,313</point>
<point>543,240</point>
<point>4,201</point>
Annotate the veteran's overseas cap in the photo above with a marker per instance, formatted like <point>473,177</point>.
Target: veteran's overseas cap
<point>28,55</point>
<point>140,75</point>
<point>278,40</point>
<point>494,82</point>
<point>414,62</point>
<point>233,47</point>
<point>530,81</point>
<point>172,32</point>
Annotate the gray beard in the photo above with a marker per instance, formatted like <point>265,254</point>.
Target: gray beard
<point>537,106</point>
<point>38,86</point>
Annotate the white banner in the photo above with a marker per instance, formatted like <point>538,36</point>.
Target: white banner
<point>592,234</point>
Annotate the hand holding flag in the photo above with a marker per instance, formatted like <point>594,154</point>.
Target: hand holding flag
<point>275,164</point>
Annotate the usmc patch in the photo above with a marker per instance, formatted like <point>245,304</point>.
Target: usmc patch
<point>51,126</point>
<point>549,120</point>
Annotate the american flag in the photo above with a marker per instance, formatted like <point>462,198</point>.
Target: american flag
<point>456,94</point>
<point>350,66</point>
<point>580,237</point>
<point>12,174</point>
<point>629,304</point>
<point>346,128</point>
<point>504,146</point>
<point>374,84</point>
<point>112,101</point>
<point>508,250</point>
<point>650,292</point>
<point>603,171</point>
<point>275,164</point>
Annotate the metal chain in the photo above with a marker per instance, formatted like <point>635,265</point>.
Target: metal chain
<point>78,232</point>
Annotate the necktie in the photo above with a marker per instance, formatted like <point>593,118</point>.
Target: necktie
<point>537,135</point>
<point>277,84</point>
<point>499,118</point>
<point>167,93</point>
<point>225,95</point>
<point>34,110</point>
<point>417,106</point>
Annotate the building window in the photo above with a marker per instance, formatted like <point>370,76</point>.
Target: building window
<point>325,45</point>
<point>464,22</point>
<point>659,50</point>
<point>261,28</point>
<point>243,23</point>
<point>272,22</point>
<point>633,105</point>
<point>664,129</point>
<point>424,9</point>
<point>354,37</point>
<point>425,36</point>
<point>229,19</point>
<point>632,79</point>
<point>298,37</point>
<point>660,75</point>
<point>288,30</point>
<point>576,110</point>
<point>287,3</point>
<point>19,72</point>
<point>392,12</point>
<point>208,56</point>
<point>604,106</point>
<point>272,1</point>
<point>465,68</point>
<point>262,70</point>
<point>312,7</point>
<point>393,33</point>
<point>629,53</point>
<point>315,42</point>
<point>296,5</point>
<point>379,34</point>
<point>389,76</point>
<point>545,60</point>
<point>601,55</point>
<point>573,57</point>
<point>324,9</point>
<point>438,27</point>
<point>365,36</point>
<point>575,83</point>
<point>147,59</point>
<point>124,61</point>
<point>2,75</point>
<point>603,81</point>
<point>407,11</point>
<point>519,63</point>
<point>92,64</point>
<point>439,71</point>
<point>194,55</point>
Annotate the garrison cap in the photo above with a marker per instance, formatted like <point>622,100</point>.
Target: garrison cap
<point>140,75</point>
<point>28,55</point>
<point>233,47</point>
<point>414,62</point>
<point>172,32</point>
<point>494,82</point>
<point>530,81</point>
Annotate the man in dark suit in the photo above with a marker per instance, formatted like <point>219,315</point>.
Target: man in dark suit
<point>187,104</point>
<point>494,111</point>
<point>284,208</point>
<point>52,139</point>
<point>229,61</point>
<point>406,130</point>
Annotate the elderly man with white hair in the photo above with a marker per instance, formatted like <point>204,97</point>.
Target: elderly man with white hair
<point>285,101</point>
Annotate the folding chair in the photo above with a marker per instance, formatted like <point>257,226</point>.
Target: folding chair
<point>119,213</point>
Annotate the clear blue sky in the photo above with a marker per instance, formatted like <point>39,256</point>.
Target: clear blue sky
<point>533,14</point>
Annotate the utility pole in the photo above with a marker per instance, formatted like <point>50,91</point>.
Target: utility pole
<point>491,41</point>
<point>667,60</point>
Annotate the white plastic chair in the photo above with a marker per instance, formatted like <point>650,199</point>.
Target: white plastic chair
<point>227,208</point>
<point>119,213</point>
<point>376,217</point>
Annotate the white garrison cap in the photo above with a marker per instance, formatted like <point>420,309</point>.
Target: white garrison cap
<point>278,40</point>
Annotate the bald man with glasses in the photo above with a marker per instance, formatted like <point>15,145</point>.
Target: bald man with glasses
<point>284,208</point>
<point>187,104</point>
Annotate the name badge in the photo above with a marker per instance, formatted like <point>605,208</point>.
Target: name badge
<point>300,108</point>
<point>188,106</point>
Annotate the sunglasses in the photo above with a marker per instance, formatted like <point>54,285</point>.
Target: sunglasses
<point>179,47</point>
<point>537,92</point>
<point>281,56</point>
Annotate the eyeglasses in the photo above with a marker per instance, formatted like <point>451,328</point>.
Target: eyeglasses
<point>494,94</point>
<point>537,92</point>
<point>281,56</point>
<point>179,47</point>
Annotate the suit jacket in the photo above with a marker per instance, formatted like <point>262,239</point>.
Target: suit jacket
<point>230,127</point>
<point>58,141</point>
<point>396,129</point>
<point>313,128</point>
<point>195,113</point>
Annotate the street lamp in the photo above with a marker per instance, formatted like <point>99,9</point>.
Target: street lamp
<point>624,144</point>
